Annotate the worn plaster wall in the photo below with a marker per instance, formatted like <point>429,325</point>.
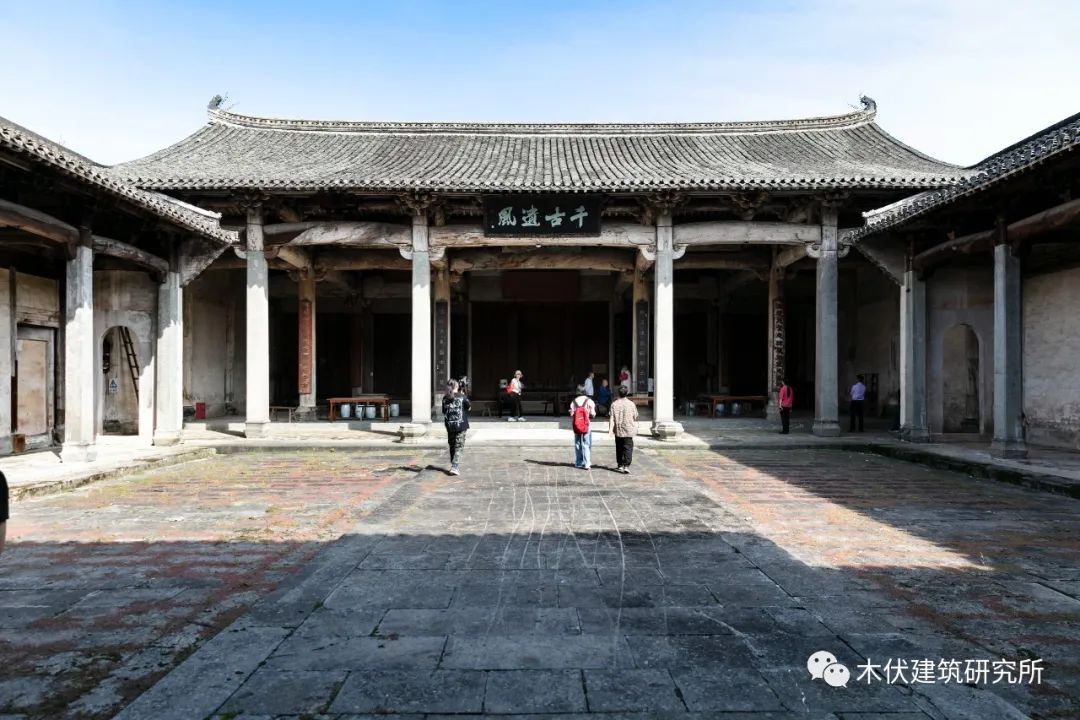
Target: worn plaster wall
<point>214,342</point>
<point>1051,356</point>
<point>125,299</point>
<point>876,337</point>
<point>960,296</point>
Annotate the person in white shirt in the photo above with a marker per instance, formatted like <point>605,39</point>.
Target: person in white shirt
<point>858,400</point>
<point>589,386</point>
<point>516,387</point>
<point>582,411</point>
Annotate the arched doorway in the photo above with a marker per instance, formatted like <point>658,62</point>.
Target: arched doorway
<point>120,370</point>
<point>960,381</point>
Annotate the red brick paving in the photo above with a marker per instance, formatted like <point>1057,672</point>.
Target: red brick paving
<point>110,586</point>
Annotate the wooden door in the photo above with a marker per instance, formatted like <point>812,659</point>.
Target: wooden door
<point>34,385</point>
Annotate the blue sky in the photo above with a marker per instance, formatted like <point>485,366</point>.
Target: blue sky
<point>955,79</point>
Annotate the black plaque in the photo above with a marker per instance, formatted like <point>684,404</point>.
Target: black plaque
<point>526,215</point>
<point>442,344</point>
<point>641,379</point>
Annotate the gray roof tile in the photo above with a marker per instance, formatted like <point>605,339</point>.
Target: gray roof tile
<point>18,139</point>
<point>242,152</point>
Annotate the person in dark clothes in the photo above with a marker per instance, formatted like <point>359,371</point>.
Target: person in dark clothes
<point>603,398</point>
<point>4,514</point>
<point>455,408</point>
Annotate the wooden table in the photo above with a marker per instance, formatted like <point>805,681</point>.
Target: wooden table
<point>714,399</point>
<point>383,400</point>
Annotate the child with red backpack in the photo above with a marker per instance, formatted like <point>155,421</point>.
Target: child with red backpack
<point>582,410</point>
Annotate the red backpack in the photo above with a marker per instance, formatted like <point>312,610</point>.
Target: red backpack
<point>581,418</point>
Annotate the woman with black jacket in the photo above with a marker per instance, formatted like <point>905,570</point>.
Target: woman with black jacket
<point>455,408</point>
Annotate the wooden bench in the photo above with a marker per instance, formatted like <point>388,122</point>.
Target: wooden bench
<point>289,410</point>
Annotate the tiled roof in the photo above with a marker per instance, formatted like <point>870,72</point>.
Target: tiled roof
<point>18,139</point>
<point>241,152</point>
<point>1059,138</point>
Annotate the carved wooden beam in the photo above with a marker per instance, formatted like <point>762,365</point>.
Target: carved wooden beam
<point>114,248</point>
<point>613,234</point>
<point>357,234</point>
<point>790,256</point>
<point>37,223</point>
<point>721,261</point>
<point>1055,218</point>
<point>610,260</point>
<point>294,256</point>
<point>345,259</point>
<point>888,254</point>
<point>758,233</point>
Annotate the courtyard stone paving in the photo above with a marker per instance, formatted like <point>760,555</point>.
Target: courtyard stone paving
<point>356,584</point>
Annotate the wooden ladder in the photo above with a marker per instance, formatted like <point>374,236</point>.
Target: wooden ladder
<point>132,358</point>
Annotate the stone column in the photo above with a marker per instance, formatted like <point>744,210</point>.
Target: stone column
<point>826,365</point>
<point>258,329</point>
<point>81,366</point>
<point>776,338</point>
<point>169,394</point>
<point>664,426</point>
<point>307,290</point>
<point>1008,375</point>
<point>421,395</point>
<point>641,340</point>
<point>913,419</point>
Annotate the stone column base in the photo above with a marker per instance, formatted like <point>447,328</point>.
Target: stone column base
<point>915,435</point>
<point>772,411</point>
<point>1009,449</point>
<point>78,452</point>
<point>826,428</point>
<point>412,432</point>
<point>167,437</point>
<point>306,413</point>
<point>666,429</point>
<point>256,430</point>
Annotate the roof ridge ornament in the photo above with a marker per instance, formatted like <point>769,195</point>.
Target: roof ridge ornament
<point>868,105</point>
<point>215,103</point>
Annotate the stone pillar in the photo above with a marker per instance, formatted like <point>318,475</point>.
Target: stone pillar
<point>258,329</point>
<point>169,394</point>
<point>421,395</point>
<point>826,365</point>
<point>1008,375</point>
<point>913,418</point>
<point>776,338</point>
<point>664,426</point>
<point>307,290</point>
<point>81,367</point>
<point>640,342</point>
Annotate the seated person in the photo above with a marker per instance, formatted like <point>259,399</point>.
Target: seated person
<point>603,398</point>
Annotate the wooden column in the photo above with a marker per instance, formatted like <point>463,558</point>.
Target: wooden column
<point>441,336</point>
<point>307,292</point>
<point>777,357</point>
